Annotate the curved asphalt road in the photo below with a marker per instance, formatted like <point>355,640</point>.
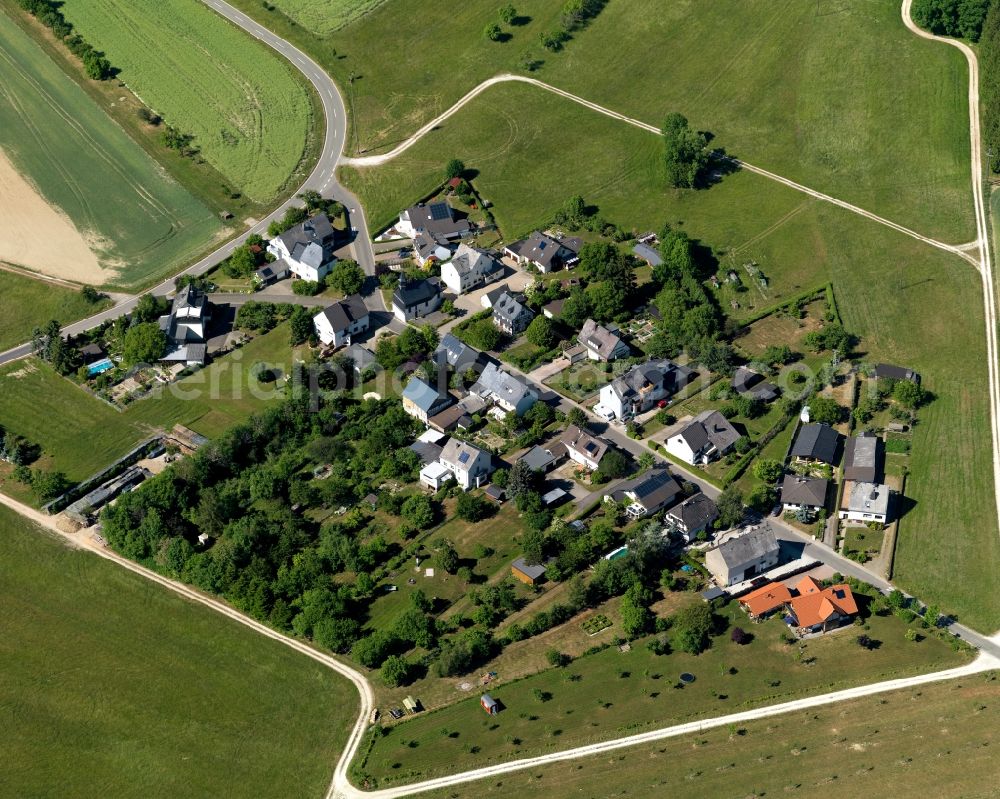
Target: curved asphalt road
<point>322,179</point>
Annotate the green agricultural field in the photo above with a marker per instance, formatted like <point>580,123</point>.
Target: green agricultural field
<point>937,740</point>
<point>247,108</point>
<point>137,220</point>
<point>91,433</point>
<point>611,693</point>
<point>27,303</point>
<point>325,16</point>
<point>844,99</point>
<point>114,686</point>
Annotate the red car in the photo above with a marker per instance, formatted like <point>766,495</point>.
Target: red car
<point>662,404</point>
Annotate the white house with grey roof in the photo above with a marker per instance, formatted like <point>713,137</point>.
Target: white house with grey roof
<point>704,439</point>
<point>504,390</point>
<point>469,269</point>
<point>422,400</point>
<point>185,327</point>
<point>647,494</point>
<point>743,555</point>
<point>433,219</point>
<point>510,314</point>
<point>692,516</point>
<point>415,298</point>
<point>601,343</point>
<point>306,249</point>
<point>428,248</point>
<point>865,502</point>
<point>545,253</point>
<point>337,323</point>
<point>639,389</point>
<point>583,448</point>
<point>468,465</point>
<point>800,492</point>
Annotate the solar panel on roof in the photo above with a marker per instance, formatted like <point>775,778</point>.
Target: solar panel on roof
<point>440,211</point>
<point>463,458</point>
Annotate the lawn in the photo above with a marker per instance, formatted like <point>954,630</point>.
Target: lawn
<point>113,686</point>
<point>139,222</point>
<point>28,303</point>
<point>248,109</point>
<point>811,95</point>
<point>326,16</point>
<point>91,434</point>
<point>611,693</point>
<point>936,740</point>
<point>861,539</point>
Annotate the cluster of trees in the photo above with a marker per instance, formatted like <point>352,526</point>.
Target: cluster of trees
<point>831,337</point>
<point>686,156</point>
<point>174,139</point>
<point>144,343</point>
<point>576,14</point>
<point>479,331</point>
<point>20,453</point>
<point>507,16</point>
<point>577,215</point>
<point>689,317</point>
<point>410,346</point>
<point>611,284</point>
<point>16,449</point>
<point>962,18</point>
<point>49,14</point>
<point>989,85</point>
<point>314,203</point>
<point>48,344</point>
<point>242,262</point>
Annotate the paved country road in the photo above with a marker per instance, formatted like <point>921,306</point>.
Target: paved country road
<point>322,179</point>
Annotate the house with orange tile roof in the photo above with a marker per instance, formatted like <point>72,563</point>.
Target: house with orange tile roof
<point>816,610</point>
<point>766,600</point>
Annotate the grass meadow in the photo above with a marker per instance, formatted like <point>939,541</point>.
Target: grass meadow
<point>610,694</point>
<point>326,16</point>
<point>114,686</point>
<point>91,433</point>
<point>26,303</point>
<point>838,96</point>
<point>248,109</point>
<point>137,220</point>
<point>936,740</point>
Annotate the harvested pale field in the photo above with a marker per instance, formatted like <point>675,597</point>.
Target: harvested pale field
<point>41,237</point>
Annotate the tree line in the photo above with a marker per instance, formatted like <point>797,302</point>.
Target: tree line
<point>48,12</point>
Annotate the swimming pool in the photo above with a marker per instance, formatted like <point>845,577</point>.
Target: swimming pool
<point>100,366</point>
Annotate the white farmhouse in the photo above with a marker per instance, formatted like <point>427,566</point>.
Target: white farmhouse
<point>306,249</point>
<point>342,320</point>
<point>469,269</point>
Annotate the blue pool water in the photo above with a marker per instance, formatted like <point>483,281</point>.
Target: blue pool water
<point>100,366</point>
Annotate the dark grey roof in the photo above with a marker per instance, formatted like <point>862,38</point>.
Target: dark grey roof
<point>92,351</point>
<point>648,254</point>
<point>710,427</point>
<point>426,451</point>
<point>753,544</point>
<point>695,513</point>
<point>582,441</point>
<point>538,458</point>
<point>888,370</point>
<point>343,313</point>
<point>661,373</point>
<point>653,490</point>
<point>495,382</point>
<point>315,230</point>
<point>747,381</point>
<point>599,338</point>
<point>863,458</point>
<point>495,294</point>
<point>457,354</point>
<point>798,490</point>
<point>362,357</point>
<point>454,416</point>
<point>436,219</point>
<point>817,442</point>
<point>510,308</point>
<point>416,292</point>
<point>545,251</point>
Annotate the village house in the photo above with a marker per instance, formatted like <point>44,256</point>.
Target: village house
<point>504,390</point>
<point>458,356</point>
<point>468,465</point>
<point>752,384</point>
<point>422,400</point>
<point>705,438</point>
<point>337,323</point>
<point>601,343</point>
<point>743,555</point>
<point>816,443</point>
<point>864,456</point>
<point>545,253</point>
<point>267,274</point>
<point>642,387</point>
<point>766,600</point>
<point>865,502</point>
<point>434,220</point>
<point>648,254</point>
<point>804,493</point>
<point>813,609</point>
<point>887,371</point>
<point>510,314</point>
<point>528,573</point>
<point>469,269</point>
<point>451,418</point>
<point>544,459</point>
<point>185,327</point>
<point>415,298</point>
<point>429,249</point>
<point>362,358</point>
<point>647,494</point>
<point>583,448</point>
<point>691,517</point>
<point>306,249</point>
